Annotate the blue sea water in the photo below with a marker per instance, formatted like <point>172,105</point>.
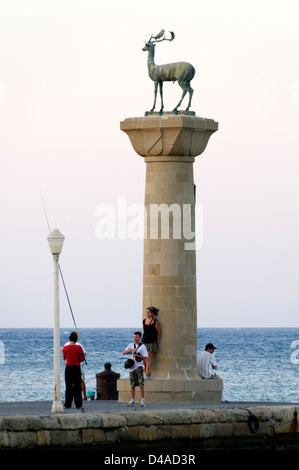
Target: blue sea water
<point>256,364</point>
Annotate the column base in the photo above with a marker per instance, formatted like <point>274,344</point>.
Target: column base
<point>57,407</point>
<point>174,391</point>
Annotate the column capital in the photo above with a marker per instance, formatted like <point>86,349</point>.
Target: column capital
<point>169,135</point>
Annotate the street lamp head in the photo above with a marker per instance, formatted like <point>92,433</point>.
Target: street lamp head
<point>55,240</point>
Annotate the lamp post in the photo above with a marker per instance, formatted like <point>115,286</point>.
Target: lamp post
<point>55,240</point>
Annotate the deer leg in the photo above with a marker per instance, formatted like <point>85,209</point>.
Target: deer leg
<point>161,96</point>
<point>155,93</point>
<point>190,96</point>
<point>183,86</point>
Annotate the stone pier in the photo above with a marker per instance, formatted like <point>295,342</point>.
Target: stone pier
<point>169,144</point>
<point>113,429</point>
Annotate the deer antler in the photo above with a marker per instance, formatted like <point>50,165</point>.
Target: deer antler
<point>159,35</point>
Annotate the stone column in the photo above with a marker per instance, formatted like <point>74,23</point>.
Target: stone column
<point>169,145</point>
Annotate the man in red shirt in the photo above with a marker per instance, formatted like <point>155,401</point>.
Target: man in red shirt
<point>73,354</point>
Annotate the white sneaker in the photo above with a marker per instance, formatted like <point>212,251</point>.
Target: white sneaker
<point>131,403</point>
<point>142,403</point>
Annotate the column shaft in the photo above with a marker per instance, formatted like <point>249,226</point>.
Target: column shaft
<point>169,281</point>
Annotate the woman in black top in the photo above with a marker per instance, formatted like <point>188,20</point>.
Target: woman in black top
<point>151,336</point>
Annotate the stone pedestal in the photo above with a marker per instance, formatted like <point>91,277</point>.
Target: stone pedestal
<point>169,145</point>
<point>174,391</point>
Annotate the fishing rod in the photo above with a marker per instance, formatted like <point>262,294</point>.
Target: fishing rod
<point>62,278</point>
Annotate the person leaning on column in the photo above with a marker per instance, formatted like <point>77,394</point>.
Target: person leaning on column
<point>151,337</point>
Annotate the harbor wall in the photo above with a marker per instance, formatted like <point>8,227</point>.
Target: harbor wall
<point>202,429</point>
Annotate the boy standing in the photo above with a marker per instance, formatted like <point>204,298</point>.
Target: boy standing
<point>138,353</point>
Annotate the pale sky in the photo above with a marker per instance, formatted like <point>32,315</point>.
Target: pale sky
<point>70,71</point>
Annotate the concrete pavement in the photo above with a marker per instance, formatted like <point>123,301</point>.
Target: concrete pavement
<point>112,406</point>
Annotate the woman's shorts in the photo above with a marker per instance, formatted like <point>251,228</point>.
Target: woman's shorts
<point>137,377</point>
<point>151,347</point>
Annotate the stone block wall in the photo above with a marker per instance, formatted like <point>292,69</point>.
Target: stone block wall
<point>174,391</point>
<point>199,429</point>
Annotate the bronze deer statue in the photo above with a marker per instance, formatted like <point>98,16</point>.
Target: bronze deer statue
<point>182,72</point>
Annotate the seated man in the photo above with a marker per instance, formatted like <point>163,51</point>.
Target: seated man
<point>206,363</point>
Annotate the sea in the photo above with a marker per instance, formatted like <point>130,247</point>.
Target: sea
<point>256,364</point>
